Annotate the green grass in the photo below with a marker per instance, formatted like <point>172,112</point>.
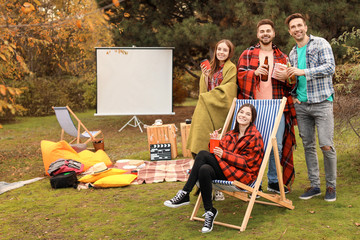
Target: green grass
<point>188,102</point>
<point>36,211</point>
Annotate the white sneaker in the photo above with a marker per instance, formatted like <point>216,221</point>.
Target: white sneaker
<point>219,196</point>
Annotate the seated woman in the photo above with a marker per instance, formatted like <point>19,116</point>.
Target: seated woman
<point>238,158</point>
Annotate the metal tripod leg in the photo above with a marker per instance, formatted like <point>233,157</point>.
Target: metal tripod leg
<point>137,123</point>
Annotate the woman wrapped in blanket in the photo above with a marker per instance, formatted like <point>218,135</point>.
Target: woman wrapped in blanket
<point>217,90</point>
<point>238,157</point>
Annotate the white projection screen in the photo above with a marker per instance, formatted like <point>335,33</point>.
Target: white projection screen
<point>134,81</point>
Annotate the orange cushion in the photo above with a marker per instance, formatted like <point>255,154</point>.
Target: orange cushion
<point>52,151</point>
<point>89,158</point>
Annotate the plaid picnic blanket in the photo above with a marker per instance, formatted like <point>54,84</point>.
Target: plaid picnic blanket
<point>169,171</point>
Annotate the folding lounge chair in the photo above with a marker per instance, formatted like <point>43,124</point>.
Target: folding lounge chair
<point>68,126</point>
<point>269,113</point>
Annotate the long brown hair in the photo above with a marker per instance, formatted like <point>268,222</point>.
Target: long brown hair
<point>215,63</point>
<point>253,116</point>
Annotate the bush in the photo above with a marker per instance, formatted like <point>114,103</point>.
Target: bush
<point>179,91</point>
<point>347,87</point>
<point>44,92</point>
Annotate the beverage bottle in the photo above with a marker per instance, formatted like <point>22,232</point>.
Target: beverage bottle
<point>265,77</point>
<point>291,79</point>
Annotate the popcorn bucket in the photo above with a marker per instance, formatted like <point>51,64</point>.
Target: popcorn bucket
<point>214,143</point>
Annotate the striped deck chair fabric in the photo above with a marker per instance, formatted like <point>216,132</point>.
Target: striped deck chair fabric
<point>267,111</point>
<point>67,124</point>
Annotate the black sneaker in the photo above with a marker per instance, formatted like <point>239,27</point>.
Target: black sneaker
<point>330,195</point>
<point>274,187</point>
<point>209,220</point>
<point>181,198</point>
<point>310,192</point>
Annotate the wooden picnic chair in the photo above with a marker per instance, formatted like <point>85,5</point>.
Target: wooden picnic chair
<point>269,113</point>
<point>68,126</point>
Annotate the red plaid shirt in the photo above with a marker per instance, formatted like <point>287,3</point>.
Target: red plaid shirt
<point>247,84</point>
<point>217,79</point>
<point>242,157</point>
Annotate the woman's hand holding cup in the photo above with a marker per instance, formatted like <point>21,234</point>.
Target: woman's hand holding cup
<point>218,152</point>
<point>205,71</point>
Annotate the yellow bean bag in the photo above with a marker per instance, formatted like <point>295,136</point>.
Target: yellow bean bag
<point>52,151</point>
<point>115,180</point>
<point>94,177</point>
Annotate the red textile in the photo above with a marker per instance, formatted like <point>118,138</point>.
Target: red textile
<point>248,82</point>
<point>242,158</point>
<point>216,79</point>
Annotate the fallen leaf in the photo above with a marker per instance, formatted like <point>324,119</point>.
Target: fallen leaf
<point>78,24</point>
<point>11,91</point>
<point>3,90</point>
<point>106,17</point>
<point>357,224</point>
<point>37,2</point>
<point>3,57</point>
<point>18,58</point>
<point>91,26</point>
<point>116,3</point>
<point>312,212</point>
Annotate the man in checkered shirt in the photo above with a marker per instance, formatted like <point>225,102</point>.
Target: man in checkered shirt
<point>313,64</point>
<point>250,66</point>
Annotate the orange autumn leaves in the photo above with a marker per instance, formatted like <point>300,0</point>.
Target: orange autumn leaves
<point>9,102</point>
<point>10,90</point>
<point>116,3</point>
<point>27,7</point>
<point>41,39</point>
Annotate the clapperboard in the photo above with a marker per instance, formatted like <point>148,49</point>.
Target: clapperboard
<point>160,151</point>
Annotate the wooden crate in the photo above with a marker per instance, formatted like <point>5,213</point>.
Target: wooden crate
<point>185,130</point>
<point>163,134</point>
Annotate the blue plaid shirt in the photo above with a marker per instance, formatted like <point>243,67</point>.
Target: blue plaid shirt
<point>320,67</point>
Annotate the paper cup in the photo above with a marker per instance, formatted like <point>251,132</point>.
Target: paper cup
<point>205,63</point>
<point>214,143</point>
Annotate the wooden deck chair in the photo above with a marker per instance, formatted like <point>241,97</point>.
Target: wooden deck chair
<point>269,113</point>
<point>68,126</point>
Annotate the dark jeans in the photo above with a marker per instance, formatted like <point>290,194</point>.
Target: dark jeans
<point>205,169</point>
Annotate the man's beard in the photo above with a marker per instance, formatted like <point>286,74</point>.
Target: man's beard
<point>267,43</point>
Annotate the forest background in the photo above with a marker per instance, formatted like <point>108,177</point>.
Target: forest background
<point>47,48</point>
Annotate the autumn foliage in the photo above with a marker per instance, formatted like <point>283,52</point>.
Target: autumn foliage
<point>51,40</point>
